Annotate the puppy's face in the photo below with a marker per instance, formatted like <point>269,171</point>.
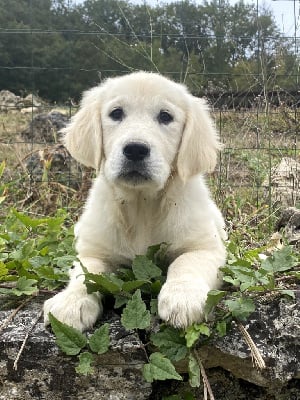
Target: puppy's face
<point>142,129</point>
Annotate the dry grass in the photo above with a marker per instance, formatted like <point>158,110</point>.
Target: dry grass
<point>254,141</point>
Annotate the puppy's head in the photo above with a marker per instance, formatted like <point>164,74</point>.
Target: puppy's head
<point>141,128</point>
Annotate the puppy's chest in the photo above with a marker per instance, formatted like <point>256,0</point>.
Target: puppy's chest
<point>140,228</point>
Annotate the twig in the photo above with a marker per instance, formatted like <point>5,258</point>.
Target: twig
<point>255,353</point>
<point>25,340</point>
<point>207,387</point>
<point>13,313</point>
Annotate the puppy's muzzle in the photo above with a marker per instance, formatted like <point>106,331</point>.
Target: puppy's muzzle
<point>135,169</point>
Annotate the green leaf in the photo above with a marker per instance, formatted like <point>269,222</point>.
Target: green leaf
<point>194,372</point>
<point>85,364</point>
<point>99,341</point>
<point>288,292</point>
<point>240,308</point>
<point>132,285</point>
<point>144,269</point>
<point>69,339</point>
<point>25,286</point>
<point>170,343</point>
<point>3,269</point>
<point>213,298</point>
<point>281,260</point>
<point>103,283</point>
<point>30,222</point>
<point>120,300</point>
<point>160,368</point>
<point>221,328</point>
<point>193,333</point>
<point>135,315</point>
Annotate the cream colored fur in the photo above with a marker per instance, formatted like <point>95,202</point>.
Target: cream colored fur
<point>122,218</point>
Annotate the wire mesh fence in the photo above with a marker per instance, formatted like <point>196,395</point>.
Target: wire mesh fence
<point>234,54</point>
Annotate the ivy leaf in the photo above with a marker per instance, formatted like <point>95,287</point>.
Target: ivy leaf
<point>240,308</point>
<point>144,269</point>
<point>170,343</point>
<point>213,298</point>
<point>193,333</point>
<point>194,372</point>
<point>99,341</point>
<point>135,315</point>
<point>69,339</point>
<point>85,364</point>
<point>160,368</point>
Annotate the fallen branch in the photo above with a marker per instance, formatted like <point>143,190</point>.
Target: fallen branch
<point>25,340</point>
<point>255,353</point>
<point>207,387</point>
<point>14,313</point>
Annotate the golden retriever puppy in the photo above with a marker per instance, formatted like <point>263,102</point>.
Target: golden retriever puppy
<point>151,142</point>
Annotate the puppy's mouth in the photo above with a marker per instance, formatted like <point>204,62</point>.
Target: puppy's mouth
<point>135,177</point>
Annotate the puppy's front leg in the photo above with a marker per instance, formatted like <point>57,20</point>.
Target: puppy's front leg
<point>74,306</point>
<point>190,277</point>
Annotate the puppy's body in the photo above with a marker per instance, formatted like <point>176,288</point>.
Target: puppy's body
<point>151,141</point>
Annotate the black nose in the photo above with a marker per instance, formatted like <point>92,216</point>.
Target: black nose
<point>136,151</point>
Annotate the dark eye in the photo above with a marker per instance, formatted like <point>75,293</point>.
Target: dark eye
<point>117,114</point>
<point>164,117</point>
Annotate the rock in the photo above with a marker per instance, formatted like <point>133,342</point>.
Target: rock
<point>29,110</point>
<point>9,101</point>
<point>54,164</point>
<point>45,127</point>
<point>43,372</point>
<point>32,100</point>
<point>275,330</point>
<point>284,182</point>
<point>289,224</point>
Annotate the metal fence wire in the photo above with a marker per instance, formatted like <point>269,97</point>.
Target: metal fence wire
<point>237,55</point>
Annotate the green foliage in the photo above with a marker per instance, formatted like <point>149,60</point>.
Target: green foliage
<point>135,315</point>
<point>69,339</point>
<point>170,342</point>
<point>160,368</point>
<point>2,186</point>
<point>35,253</point>
<point>86,360</point>
<point>185,38</point>
<point>99,341</point>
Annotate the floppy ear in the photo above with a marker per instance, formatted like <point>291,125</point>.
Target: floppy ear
<point>83,135</point>
<point>200,142</point>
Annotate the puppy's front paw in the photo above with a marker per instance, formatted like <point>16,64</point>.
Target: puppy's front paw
<point>79,310</point>
<point>182,303</point>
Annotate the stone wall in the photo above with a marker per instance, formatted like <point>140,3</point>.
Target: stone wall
<point>43,372</point>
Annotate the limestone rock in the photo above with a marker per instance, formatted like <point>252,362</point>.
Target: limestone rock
<point>275,330</point>
<point>289,224</point>
<point>284,181</point>
<point>54,164</point>
<point>43,372</point>
<point>9,101</point>
<point>45,127</point>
